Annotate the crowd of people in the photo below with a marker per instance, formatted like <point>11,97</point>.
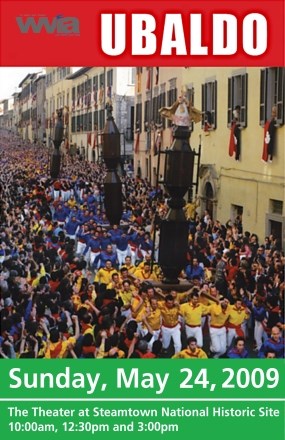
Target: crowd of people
<point>73,285</point>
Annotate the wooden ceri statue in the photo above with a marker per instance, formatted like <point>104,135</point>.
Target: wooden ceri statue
<point>181,112</point>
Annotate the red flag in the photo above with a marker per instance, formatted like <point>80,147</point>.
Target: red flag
<point>207,127</point>
<point>89,139</point>
<point>137,142</point>
<point>232,143</point>
<point>266,140</point>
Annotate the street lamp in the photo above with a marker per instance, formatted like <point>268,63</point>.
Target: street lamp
<point>58,136</point>
<point>111,155</point>
<point>178,177</point>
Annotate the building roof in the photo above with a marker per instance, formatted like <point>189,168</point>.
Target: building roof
<point>78,73</point>
<point>30,75</point>
<point>39,77</point>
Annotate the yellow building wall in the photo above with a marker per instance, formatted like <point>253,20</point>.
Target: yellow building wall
<point>249,183</point>
<point>144,158</point>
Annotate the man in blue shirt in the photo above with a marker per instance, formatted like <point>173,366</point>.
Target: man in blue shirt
<point>194,270</point>
<point>71,227</point>
<point>275,343</point>
<point>238,351</point>
<point>94,245</point>
<point>106,255</point>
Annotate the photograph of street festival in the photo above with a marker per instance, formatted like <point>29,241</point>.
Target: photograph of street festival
<point>142,212</point>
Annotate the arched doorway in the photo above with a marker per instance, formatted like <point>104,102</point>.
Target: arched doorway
<point>209,198</point>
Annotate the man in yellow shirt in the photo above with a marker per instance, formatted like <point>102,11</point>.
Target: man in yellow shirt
<point>128,265</point>
<point>238,314</point>
<point>104,275</point>
<point>126,295</point>
<point>152,321</point>
<point>219,314</point>
<point>192,313</point>
<point>57,348</point>
<point>139,304</point>
<point>170,327</point>
<point>145,273</point>
<point>155,267</point>
<point>115,282</point>
<point>192,351</point>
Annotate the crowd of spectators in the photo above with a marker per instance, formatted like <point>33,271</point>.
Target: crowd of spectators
<point>72,285</point>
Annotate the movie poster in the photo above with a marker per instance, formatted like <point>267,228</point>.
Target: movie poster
<point>142,219</point>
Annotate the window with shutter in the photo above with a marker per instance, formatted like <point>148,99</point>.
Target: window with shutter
<point>280,95</point>
<point>95,120</point>
<point>89,121</point>
<point>171,96</point>
<point>138,116</point>
<point>101,119</point>
<point>190,98</point>
<point>272,94</point>
<point>85,122</point>
<point>146,114</point>
<point>162,103</point>
<point>155,114</point>
<point>110,77</point>
<point>237,96</point>
<point>102,80</point>
<point>73,124</point>
<point>262,105</point>
<point>95,83</point>
<point>209,106</point>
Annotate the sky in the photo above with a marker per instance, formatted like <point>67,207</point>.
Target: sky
<point>10,78</point>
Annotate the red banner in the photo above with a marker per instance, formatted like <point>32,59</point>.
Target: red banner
<point>164,33</point>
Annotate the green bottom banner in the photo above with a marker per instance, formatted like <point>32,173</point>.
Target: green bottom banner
<point>218,420</point>
<point>64,399</point>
